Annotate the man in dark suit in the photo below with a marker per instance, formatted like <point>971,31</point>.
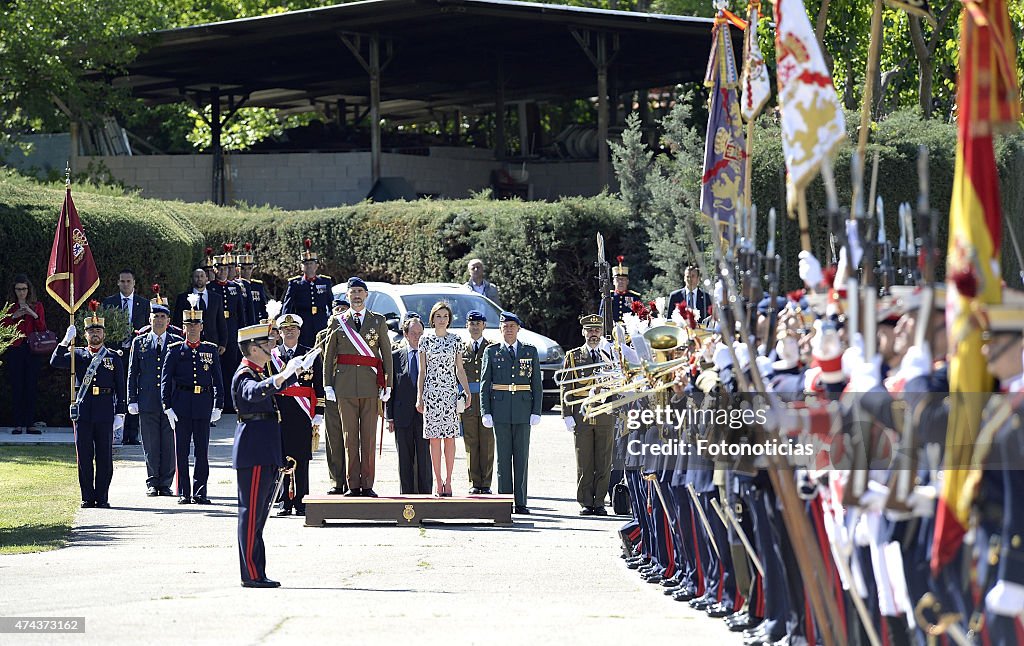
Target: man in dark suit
<point>692,295</point>
<point>138,316</point>
<point>212,305</point>
<point>403,418</point>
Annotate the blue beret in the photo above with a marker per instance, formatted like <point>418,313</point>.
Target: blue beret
<point>355,281</point>
<point>475,315</point>
<point>510,318</point>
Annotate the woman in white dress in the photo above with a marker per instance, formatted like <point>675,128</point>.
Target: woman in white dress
<point>441,371</point>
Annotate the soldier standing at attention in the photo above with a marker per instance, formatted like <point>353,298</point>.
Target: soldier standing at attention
<point>256,289</point>
<point>622,297</point>
<point>478,438</point>
<point>98,409</point>
<point>511,394</point>
<point>192,392</point>
<point>256,456</point>
<point>235,312</point>
<point>335,440</point>
<point>309,296</point>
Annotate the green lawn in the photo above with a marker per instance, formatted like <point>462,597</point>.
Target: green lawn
<point>38,497</point>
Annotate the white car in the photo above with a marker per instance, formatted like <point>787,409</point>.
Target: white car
<point>395,301</point>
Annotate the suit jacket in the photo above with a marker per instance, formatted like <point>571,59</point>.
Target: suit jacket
<point>702,301</point>
<point>140,311</point>
<point>145,367</point>
<point>402,405</point>
<point>473,362</point>
<point>214,328</point>
<point>490,291</point>
<point>358,381</point>
<point>581,357</point>
<point>503,406</point>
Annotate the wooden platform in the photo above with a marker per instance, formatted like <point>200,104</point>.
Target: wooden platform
<point>408,511</point>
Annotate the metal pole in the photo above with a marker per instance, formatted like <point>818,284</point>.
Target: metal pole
<point>602,109</point>
<point>375,107</point>
<point>218,157</point>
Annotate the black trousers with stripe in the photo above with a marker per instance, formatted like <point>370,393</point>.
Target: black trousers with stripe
<point>255,487</point>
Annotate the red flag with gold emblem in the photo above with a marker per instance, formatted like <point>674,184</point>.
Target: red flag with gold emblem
<point>988,100</point>
<point>71,276</point>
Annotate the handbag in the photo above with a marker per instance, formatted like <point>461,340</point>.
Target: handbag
<point>42,342</point>
<point>620,499</point>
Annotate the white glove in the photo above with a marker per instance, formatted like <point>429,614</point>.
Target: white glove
<point>294,365</point>
<point>329,394</point>
<point>873,498</point>
<point>70,334</point>
<point>916,362</point>
<point>215,415</point>
<point>1005,598</point>
<point>318,420</point>
<point>487,421</point>
<point>810,269</point>
<point>570,423</point>
<point>309,358</point>
<point>133,409</point>
<point>863,375</point>
<point>922,501</point>
<point>534,420</point>
<point>764,365</point>
<point>118,422</point>
<point>385,394</point>
<point>171,417</point>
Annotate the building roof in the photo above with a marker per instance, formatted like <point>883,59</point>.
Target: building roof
<point>438,54</point>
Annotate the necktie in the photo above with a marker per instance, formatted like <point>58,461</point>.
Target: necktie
<point>689,299</point>
<point>359,321</point>
<point>414,368</point>
<point>593,356</point>
<point>476,347</point>
<point>512,352</point>
<point>124,302</point>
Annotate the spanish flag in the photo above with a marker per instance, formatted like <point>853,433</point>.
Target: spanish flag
<point>988,98</point>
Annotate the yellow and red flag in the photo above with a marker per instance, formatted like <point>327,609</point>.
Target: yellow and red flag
<point>71,276</point>
<point>988,99</point>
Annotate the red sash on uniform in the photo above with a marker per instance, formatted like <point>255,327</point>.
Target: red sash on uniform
<point>304,396</point>
<point>360,360</point>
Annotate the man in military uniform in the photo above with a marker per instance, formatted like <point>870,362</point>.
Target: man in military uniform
<point>621,297</point>
<point>302,409</point>
<point>256,455</point>
<point>98,407</point>
<point>309,296</point>
<point>256,289</point>
<point>335,440</point>
<point>593,437</point>
<point>511,395</point>
<point>478,438</point>
<point>358,372</point>
<point>192,392</point>
<point>145,366</point>
<point>235,312</point>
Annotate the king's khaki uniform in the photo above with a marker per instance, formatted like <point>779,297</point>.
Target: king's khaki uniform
<point>478,438</point>
<point>593,436</point>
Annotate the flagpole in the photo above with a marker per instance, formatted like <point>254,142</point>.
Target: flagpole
<point>71,271</point>
<point>874,53</point>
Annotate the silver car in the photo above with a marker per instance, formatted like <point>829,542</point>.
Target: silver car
<point>394,301</point>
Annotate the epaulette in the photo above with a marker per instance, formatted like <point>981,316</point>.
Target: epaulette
<point>174,344</point>
<point>256,281</point>
<point>637,294</point>
<point>119,353</point>
<point>299,277</point>
<point>326,276</point>
<point>209,343</point>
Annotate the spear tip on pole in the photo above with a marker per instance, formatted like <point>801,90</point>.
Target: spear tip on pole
<point>67,175</point>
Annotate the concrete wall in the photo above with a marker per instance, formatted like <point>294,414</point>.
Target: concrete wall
<point>317,180</point>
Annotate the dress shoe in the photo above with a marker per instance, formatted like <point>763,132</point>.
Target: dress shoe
<point>17,431</point>
<point>486,491</point>
<point>32,430</point>
<point>673,581</point>
<point>655,578</point>
<point>103,505</point>
<point>700,603</point>
<point>522,509</point>
<point>300,510</point>
<point>751,622</point>
<point>756,635</point>
<point>287,511</point>
<point>261,583</point>
<point>600,511</point>
<point>587,511</point>
<point>201,500</point>
<point>353,493</point>
<point>184,500</point>
<point>370,493</point>
<point>717,611</point>
<point>151,491</point>
<point>684,595</point>
<point>475,490</point>
<point>165,491</point>
<point>87,504</point>
<point>337,491</point>
<point>635,565</point>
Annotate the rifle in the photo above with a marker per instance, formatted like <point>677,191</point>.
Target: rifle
<point>886,272</point>
<point>771,276</point>
<point>604,288</point>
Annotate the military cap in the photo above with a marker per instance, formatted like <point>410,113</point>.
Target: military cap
<point>253,333</point>
<point>93,320</point>
<point>592,320</point>
<point>356,281</point>
<point>307,253</point>
<point>158,304</point>
<point>509,317</point>
<point>193,314</point>
<point>475,315</point>
<point>289,320</point>
<point>246,258</point>
<point>1007,316</point>
<point>620,269</point>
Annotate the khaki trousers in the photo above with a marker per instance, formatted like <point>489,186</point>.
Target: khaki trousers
<point>593,462</point>
<point>335,442</point>
<point>359,426</point>
<point>479,451</point>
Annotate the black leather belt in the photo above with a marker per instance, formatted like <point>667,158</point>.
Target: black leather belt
<point>195,390</point>
<point>242,417</point>
<point>96,390</point>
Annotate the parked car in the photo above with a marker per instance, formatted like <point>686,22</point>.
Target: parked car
<point>394,301</point>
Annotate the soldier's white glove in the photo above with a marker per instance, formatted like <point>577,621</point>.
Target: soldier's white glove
<point>385,394</point>
<point>863,375</point>
<point>810,269</point>
<point>171,417</point>
<point>534,420</point>
<point>215,415</point>
<point>487,421</point>
<point>916,362</point>
<point>329,394</point>
<point>118,422</point>
<point>309,358</point>
<point>1005,598</point>
<point>922,501</point>
<point>133,409</point>
<point>294,365</point>
<point>70,334</point>
<point>318,420</point>
<point>570,423</point>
